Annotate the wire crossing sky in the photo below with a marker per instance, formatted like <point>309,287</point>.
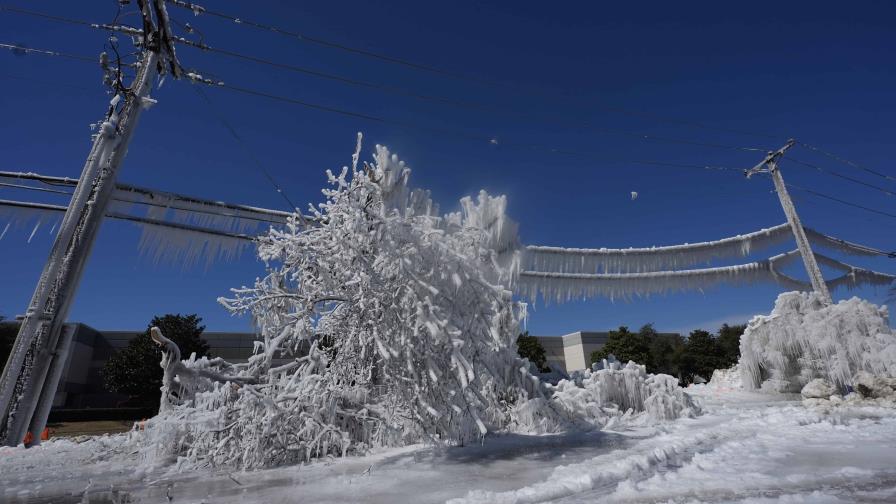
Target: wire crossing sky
<point>566,109</point>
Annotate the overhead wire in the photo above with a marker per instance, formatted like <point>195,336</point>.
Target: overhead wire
<point>239,140</point>
<point>471,136</point>
<point>847,162</point>
<point>837,174</point>
<point>198,9</point>
<point>839,200</point>
<point>400,90</point>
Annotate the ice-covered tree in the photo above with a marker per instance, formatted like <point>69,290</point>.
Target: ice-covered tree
<point>382,323</point>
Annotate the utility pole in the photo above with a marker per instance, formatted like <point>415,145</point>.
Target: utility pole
<point>29,379</point>
<point>770,165</point>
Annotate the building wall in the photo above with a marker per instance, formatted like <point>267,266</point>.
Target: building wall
<point>553,351</point>
<point>578,346</point>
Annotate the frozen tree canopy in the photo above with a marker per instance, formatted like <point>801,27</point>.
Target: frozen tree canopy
<point>382,324</point>
<point>802,339</point>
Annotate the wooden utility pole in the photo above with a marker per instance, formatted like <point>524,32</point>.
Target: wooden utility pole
<point>29,380</point>
<point>770,165</point>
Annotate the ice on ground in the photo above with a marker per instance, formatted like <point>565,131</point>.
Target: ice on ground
<point>803,339</point>
<point>747,447</point>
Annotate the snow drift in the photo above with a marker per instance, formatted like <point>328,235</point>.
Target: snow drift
<point>803,339</point>
<point>624,393</point>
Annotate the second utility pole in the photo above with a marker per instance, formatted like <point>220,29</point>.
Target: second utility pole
<point>770,165</point>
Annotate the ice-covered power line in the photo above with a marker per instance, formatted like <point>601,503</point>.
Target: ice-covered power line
<point>29,50</point>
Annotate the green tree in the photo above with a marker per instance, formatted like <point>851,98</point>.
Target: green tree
<point>8,332</point>
<point>665,354</point>
<point>729,344</point>
<point>702,355</point>
<point>625,346</point>
<point>135,370</point>
<point>529,347</point>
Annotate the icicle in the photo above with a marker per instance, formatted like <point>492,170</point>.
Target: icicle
<point>562,287</point>
<point>33,231</point>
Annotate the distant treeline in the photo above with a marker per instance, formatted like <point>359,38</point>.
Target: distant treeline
<point>685,358</point>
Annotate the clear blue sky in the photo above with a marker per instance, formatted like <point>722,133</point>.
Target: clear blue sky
<point>818,71</point>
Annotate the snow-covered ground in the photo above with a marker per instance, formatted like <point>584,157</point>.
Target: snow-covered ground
<point>746,447</point>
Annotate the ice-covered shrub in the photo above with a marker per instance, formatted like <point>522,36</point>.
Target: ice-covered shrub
<point>803,339</point>
<point>396,323</point>
<point>604,395</point>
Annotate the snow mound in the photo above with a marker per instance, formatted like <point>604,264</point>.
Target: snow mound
<point>726,379</point>
<point>817,389</point>
<point>803,339</point>
<point>624,394</point>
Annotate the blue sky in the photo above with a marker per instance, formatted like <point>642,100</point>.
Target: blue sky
<point>821,72</point>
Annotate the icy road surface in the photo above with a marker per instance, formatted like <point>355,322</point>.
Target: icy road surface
<point>747,448</point>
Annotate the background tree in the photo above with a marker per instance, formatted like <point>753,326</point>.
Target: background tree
<point>702,355</point>
<point>666,351</point>
<point>529,347</point>
<point>625,346</point>
<point>135,370</point>
<point>8,332</point>
<point>729,344</point>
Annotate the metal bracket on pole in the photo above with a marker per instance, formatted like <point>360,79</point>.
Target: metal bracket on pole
<point>770,165</point>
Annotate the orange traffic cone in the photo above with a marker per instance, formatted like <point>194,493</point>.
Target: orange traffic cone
<point>45,434</point>
<point>28,438</point>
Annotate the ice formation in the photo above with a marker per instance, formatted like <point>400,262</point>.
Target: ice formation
<point>560,287</point>
<point>639,260</point>
<point>383,324</point>
<point>621,393</point>
<point>803,339</point>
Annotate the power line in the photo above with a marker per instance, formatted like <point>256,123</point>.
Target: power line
<point>840,175</point>
<point>470,136</point>
<point>847,162</point>
<point>239,140</point>
<point>838,200</point>
<point>25,50</point>
<point>198,9</point>
<point>384,87</point>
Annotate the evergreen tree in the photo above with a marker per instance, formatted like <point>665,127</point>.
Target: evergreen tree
<point>729,344</point>
<point>8,332</point>
<point>625,346</point>
<point>135,370</point>
<point>702,355</point>
<point>530,348</point>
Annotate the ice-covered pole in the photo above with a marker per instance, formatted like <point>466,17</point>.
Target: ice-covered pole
<point>24,386</point>
<point>770,165</point>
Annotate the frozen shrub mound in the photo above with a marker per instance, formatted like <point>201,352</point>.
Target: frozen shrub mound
<point>624,392</point>
<point>380,324</point>
<point>803,340</point>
